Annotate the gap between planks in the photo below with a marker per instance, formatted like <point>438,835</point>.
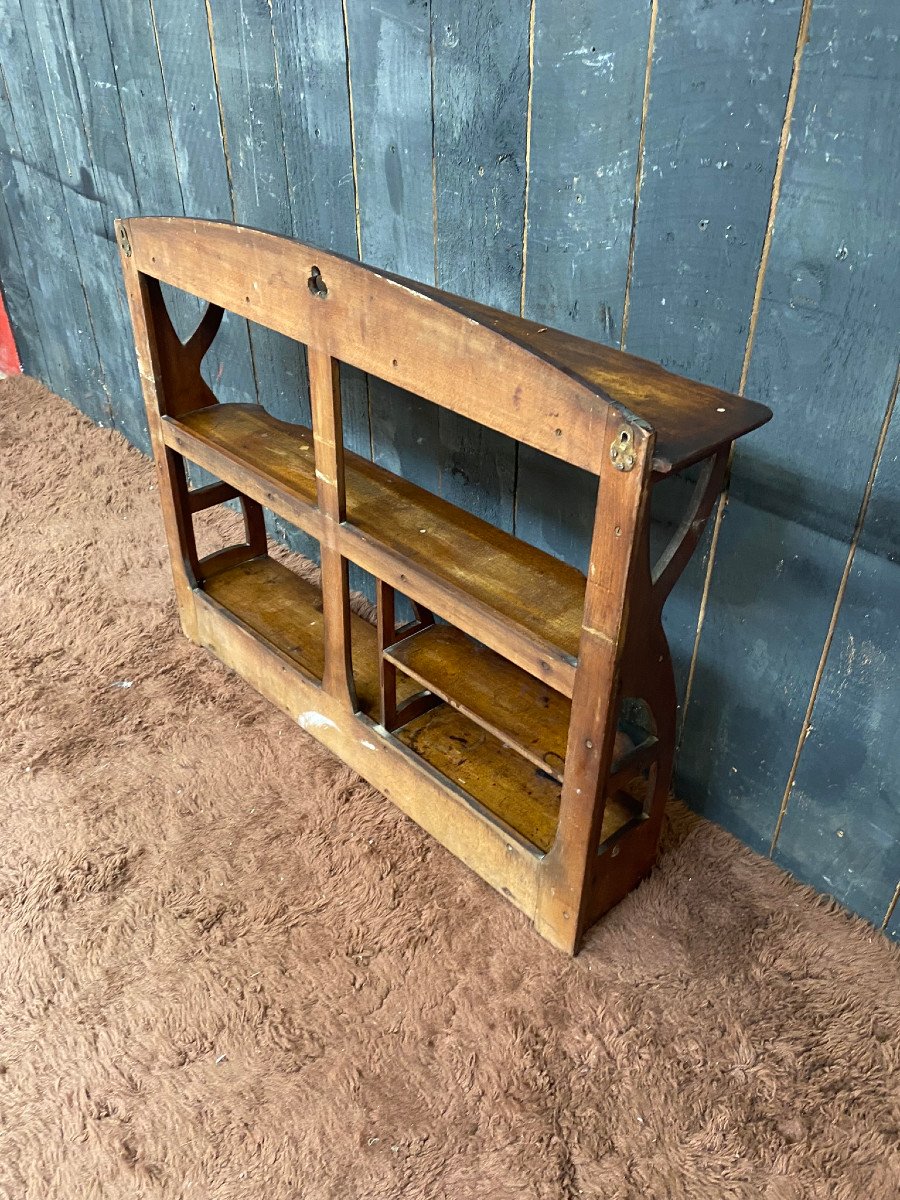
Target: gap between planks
<point>774,197</point>
<point>639,170</point>
<point>891,907</point>
<point>806,727</point>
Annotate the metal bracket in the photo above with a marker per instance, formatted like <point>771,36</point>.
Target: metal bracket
<point>124,242</point>
<point>621,452</point>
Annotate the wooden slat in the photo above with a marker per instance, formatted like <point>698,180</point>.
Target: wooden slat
<point>394,526</point>
<point>312,87</point>
<point>189,165</point>
<point>16,294</point>
<point>53,79</point>
<point>511,704</point>
<point>589,64</point>
<point>99,111</point>
<point>480,86</point>
<point>244,56</point>
<point>514,706</point>
<point>520,794</point>
<point>328,442</point>
<point>711,145</point>
<point>38,207</point>
<point>390,78</point>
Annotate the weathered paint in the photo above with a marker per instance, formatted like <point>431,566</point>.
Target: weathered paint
<point>480,86</point>
<point>589,65</point>
<point>38,204</point>
<point>190,161</point>
<point>841,830</point>
<point>718,88</point>
<point>390,78</point>
<point>825,358</point>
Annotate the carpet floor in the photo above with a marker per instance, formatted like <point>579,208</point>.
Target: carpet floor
<point>230,969</point>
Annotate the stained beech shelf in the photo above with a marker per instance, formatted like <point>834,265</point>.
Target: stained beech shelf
<point>524,797</point>
<point>519,599</point>
<point>517,708</point>
<point>522,712</point>
<point>285,611</point>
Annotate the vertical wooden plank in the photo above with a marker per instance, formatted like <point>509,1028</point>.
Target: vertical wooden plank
<point>589,64</point>
<point>563,908</point>
<point>93,78</point>
<point>328,438</point>
<point>719,82</point>
<point>175,42</point>
<point>386,620</point>
<point>38,208</point>
<point>91,225</point>
<point>138,86</point>
<point>390,79</point>
<point>481,81</point>
<point>135,78</point>
<point>18,197</point>
<point>18,272</point>
<point>841,830</point>
<point>588,80</point>
<point>718,86</point>
<point>313,91</point>
<point>169,466</point>
<point>244,58</point>
<point>824,359</point>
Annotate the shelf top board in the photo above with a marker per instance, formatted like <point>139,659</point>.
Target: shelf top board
<point>562,394</point>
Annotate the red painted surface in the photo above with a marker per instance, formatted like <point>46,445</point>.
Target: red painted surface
<point>9,359</point>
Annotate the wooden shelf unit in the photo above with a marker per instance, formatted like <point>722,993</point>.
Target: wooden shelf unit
<point>501,717</point>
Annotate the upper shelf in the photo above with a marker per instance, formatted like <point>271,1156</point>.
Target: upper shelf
<point>537,600</point>
<point>690,419</point>
<point>561,394</point>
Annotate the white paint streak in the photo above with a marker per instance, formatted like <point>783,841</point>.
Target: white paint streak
<point>312,720</point>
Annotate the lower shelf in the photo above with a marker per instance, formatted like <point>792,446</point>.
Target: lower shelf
<point>520,794</point>
<point>521,711</point>
<point>284,611</point>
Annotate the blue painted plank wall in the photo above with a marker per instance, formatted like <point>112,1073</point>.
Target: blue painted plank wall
<point>825,358</point>
<point>709,183</point>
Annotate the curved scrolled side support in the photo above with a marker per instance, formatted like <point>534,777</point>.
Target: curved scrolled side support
<point>668,567</point>
<point>184,389</point>
<point>204,335</point>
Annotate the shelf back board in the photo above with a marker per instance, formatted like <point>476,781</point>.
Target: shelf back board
<point>548,389</point>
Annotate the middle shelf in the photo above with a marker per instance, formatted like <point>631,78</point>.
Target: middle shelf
<point>519,600</point>
<point>513,706</point>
